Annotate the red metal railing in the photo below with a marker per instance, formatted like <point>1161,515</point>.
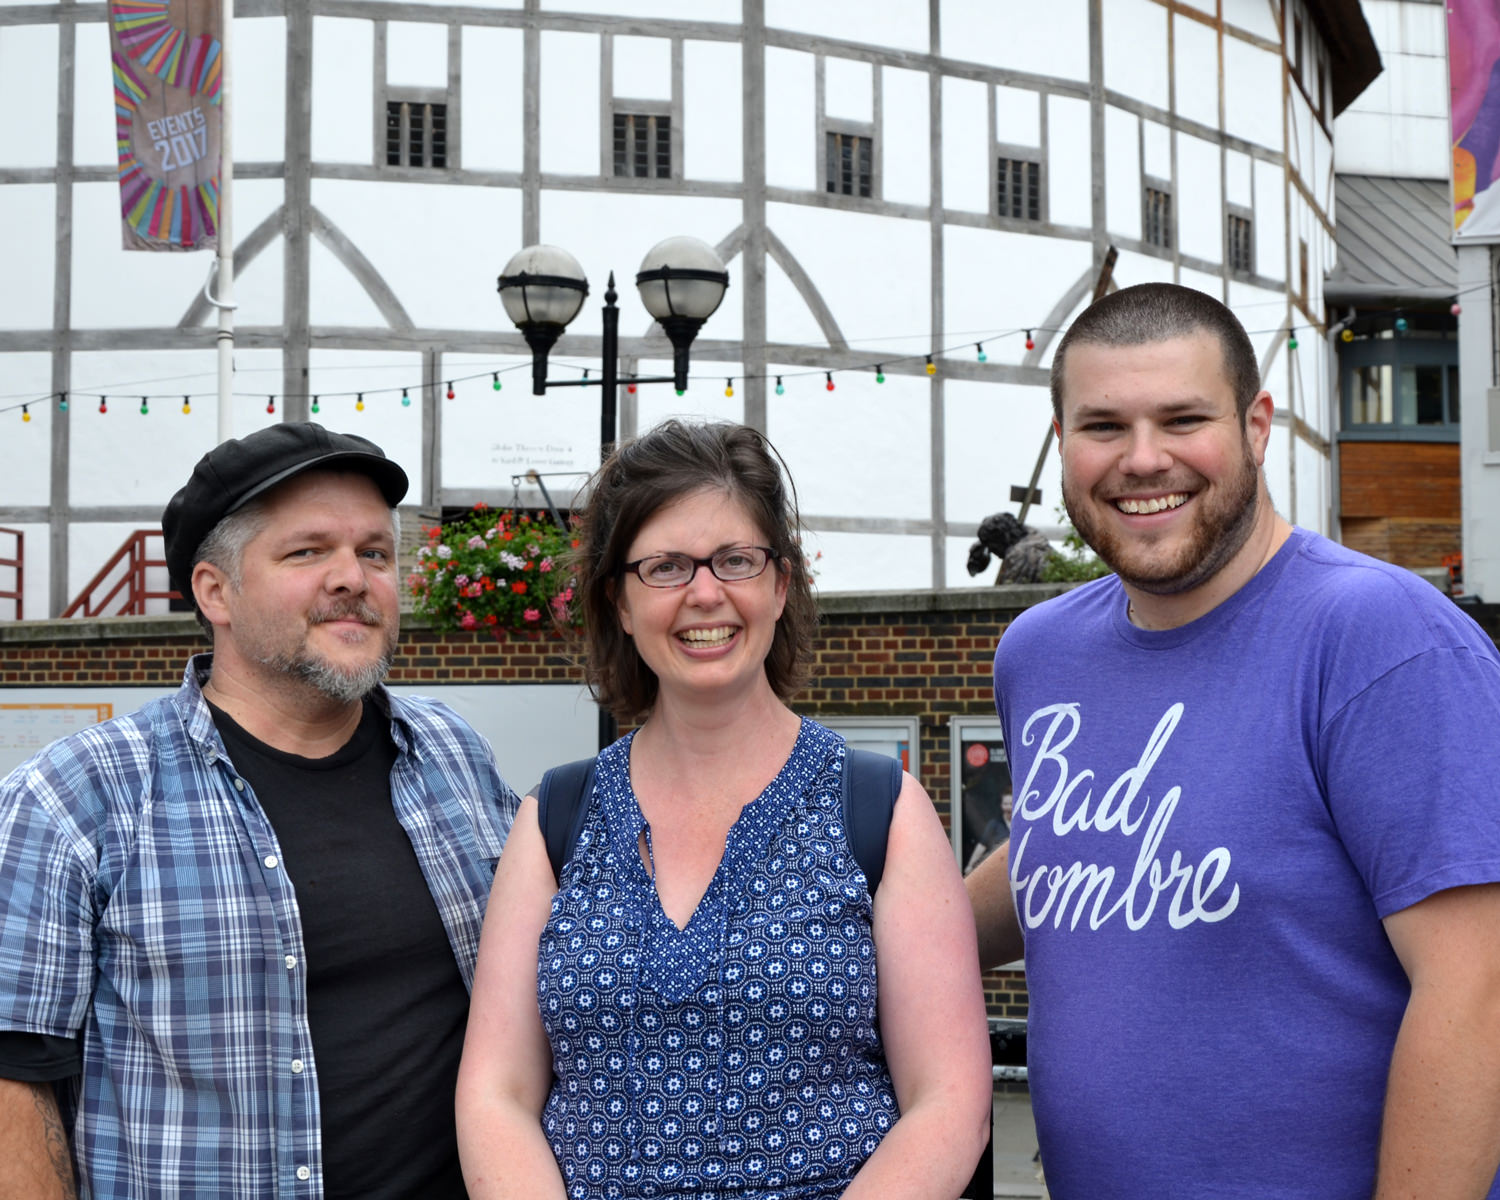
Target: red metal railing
<point>128,591</point>
<point>19,563</point>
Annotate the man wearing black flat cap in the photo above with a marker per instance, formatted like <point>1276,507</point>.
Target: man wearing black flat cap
<point>238,927</point>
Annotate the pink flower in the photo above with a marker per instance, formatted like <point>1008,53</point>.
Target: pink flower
<point>476,543</point>
<point>461,580</point>
<point>532,614</point>
<point>468,621</point>
<point>545,565</point>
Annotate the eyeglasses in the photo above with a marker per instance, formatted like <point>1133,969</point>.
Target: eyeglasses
<point>733,565</point>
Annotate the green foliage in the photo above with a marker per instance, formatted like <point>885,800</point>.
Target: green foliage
<point>1075,563</point>
<point>495,569</point>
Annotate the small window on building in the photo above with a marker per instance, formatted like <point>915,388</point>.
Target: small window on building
<point>643,145</point>
<point>850,163</point>
<point>1156,220</point>
<point>1302,275</point>
<point>1402,384</point>
<point>1241,242</point>
<point>416,134</point>
<point>1296,48</point>
<point>1019,188</point>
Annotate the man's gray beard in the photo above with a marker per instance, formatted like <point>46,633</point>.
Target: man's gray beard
<point>343,686</point>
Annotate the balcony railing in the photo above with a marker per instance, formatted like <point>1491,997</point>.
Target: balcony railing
<point>119,589</point>
<point>14,541</point>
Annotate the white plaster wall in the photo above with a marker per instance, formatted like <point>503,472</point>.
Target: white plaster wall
<point>1278,468</point>
<point>487,3</point>
<point>881,23</point>
<point>1212,283</point>
<point>416,54</point>
<point>1200,203</point>
<point>343,102</point>
<point>27,255</point>
<point>493,127</point>
<point>712,104</point>
<point>1252,93</point>
<point>1132,268</point>
<point>258,281</point>
<point>643,68</point>
<point>613,233</point>
<point>1312,488</point>
<point>93,97</point>
<point>1270,220</point>
<point>1050,41</point>
<point>704,399</point>
<point>870,562</point>
<point>258,108</point>
<point>569,103</point>
<point>906,130</point>
<point>1135,50</point>
<point>1195,59</point>
<point>438,248</point>
<point>848,89</point>
<point>1069,176</point>
<point>1204,6</point>
<point>114,287</point>
<point>336,297</point>
<point>1399,124</point>
<point>335,376</point>
<point>1253,16</point>
<point>28,93</point>
<point>998,284</point>
<point>788,318</point>
<point>862,450</point>
<point>1018,116</point>
<point>490,436</point>
<point>1300,123</point>
<point>1122,172</point>
<point>966,126</point>
<point>25,446</point>
<point>1237,179</point>
<point>1156,150</point>
<point>992,436</point>
<point>1264,315</point>
<point>791,119</point>
<point>852,258</point>
<point>123,457</point>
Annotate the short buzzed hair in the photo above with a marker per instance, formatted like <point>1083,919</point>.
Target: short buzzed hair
<point>1155,312</point>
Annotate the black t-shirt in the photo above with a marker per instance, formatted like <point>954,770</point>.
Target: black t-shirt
<point>386,1003</point>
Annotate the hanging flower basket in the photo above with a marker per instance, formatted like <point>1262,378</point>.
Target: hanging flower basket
<point>496,570</point>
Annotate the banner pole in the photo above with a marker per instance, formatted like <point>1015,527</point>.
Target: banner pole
<point>225,288</point>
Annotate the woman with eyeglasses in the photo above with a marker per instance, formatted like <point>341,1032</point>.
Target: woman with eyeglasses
<point>708,1002</point>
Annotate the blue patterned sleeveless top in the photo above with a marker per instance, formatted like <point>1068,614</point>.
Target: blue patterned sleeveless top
<point>736,1058</point>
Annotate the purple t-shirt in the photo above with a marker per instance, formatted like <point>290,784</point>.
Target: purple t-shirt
<point>1210,823</point>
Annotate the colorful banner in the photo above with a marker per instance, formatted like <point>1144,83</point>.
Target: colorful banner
<point>166,62</point>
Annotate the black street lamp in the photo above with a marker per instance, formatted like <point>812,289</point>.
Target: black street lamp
<point>682,282</point>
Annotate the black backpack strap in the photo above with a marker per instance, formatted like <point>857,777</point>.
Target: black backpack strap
<point>562,800</point>
<point>871,784</point>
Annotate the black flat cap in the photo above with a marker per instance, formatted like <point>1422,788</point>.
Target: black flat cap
<point>236,472</point>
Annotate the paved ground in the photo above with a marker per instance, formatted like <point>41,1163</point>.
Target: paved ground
<point>1015,1150</point>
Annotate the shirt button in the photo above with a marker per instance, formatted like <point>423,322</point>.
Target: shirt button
<point>296,1066</point>
<point>303,1173</point>
<point>291,961</point>
<point>270,861</point>
<point>239,785</point>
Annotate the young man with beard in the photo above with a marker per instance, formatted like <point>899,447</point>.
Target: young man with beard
<point>1256,841</point>
<point>238,927</point>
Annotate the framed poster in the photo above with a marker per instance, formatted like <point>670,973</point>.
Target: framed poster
<point>982,787</point>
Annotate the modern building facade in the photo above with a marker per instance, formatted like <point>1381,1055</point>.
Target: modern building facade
<point>892,184</point>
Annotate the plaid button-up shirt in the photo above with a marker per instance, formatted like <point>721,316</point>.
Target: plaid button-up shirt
<point>144,905</point>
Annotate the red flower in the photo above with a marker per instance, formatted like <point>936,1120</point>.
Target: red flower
<point>519,588</point>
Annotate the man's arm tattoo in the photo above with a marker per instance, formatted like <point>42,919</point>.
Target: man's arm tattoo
<point>55,1138</point>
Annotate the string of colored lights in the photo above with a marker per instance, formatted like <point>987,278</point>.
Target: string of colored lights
<point>1399,323</point>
